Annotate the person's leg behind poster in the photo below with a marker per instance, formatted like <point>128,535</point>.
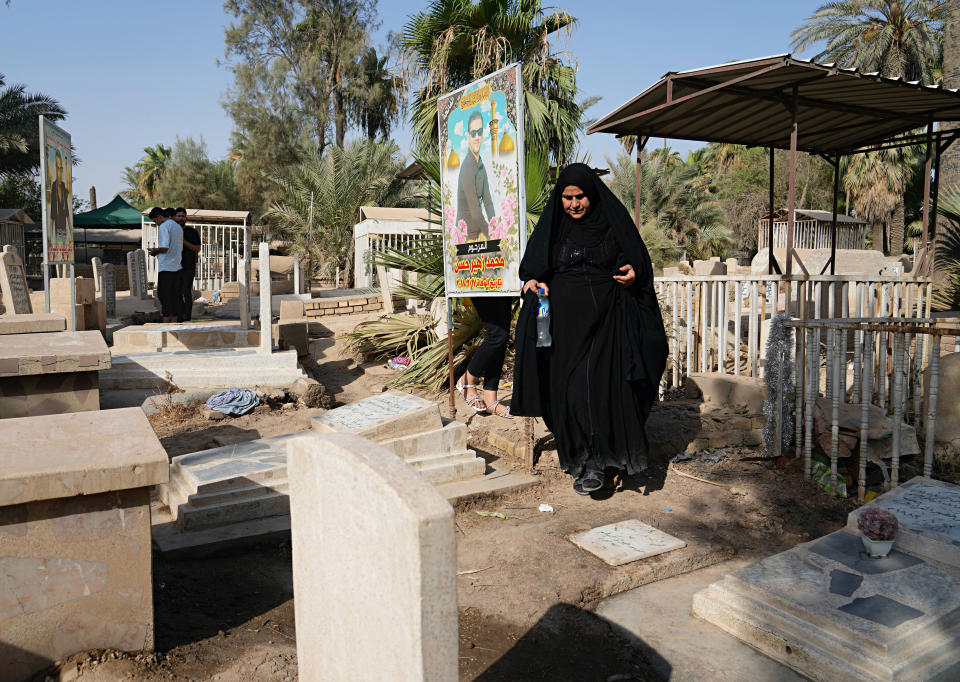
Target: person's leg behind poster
<point>487,361</point>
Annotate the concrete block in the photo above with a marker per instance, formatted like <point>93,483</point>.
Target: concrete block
<point>374,565</point>
<point>291,310</point>
<point>63,309</point>
<point>42,353</point>
<point>293,335</point>
<point>703,268</point>
<point>75,520</point>
<point>60,290</point>
<point>726,390</point>
<point>32,323</point>
<point>95,316</point>
<point>451,437</point>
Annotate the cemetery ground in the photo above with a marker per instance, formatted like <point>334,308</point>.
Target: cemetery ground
<point>527,596</point>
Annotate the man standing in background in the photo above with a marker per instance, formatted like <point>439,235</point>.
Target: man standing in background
<point>168,251</point>
<point>188,264</point>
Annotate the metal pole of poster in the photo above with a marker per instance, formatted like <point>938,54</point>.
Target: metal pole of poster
<point>453,388</point>
<point>44,218</point>
<point>73,299</point>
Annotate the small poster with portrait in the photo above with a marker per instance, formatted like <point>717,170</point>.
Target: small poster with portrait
<point>56,180</point>
<point>482,185</point>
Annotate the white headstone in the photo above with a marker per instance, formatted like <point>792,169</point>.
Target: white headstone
<point>386,415</point>
<point>109,290</point>
<point>374,565</point>
<point>13,282</point>
<point>626,541</point>
<point>140,269</point>
<point>97,274</point>
<point>266,310</point>
<point>297,275</point>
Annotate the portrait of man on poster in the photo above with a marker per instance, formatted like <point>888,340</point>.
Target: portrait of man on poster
<point>60,209</point>
<point>474,202</point>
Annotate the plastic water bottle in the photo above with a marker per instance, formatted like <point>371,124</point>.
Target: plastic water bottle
<point>544,340</point>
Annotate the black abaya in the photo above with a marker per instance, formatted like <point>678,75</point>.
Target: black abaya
<point>595,386</point>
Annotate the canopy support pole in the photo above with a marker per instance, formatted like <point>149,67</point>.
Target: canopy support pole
<point>772,263</point>
<point>792,186</point>
<point>833,227</point>
<point>926,185</point>
<point>935,200</point>
<point>641,143</point>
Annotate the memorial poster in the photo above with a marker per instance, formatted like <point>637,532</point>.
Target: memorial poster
<point>482,185</point>
<point>56,179</point>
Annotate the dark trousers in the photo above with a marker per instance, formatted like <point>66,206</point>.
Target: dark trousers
<point>168,291</point>
<point>186,294</point>
<point>487,360</point>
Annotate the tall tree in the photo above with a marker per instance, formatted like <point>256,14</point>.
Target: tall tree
<point>454,42</point>
<point>950,162</point>
<point>19,128</point>
<point>877,182</point>
<point>150,169</point>
<point>377,95</point>
<point>340,181</point>
<point>192,179</point>
<point>896,38</point>
<point>299,58</point>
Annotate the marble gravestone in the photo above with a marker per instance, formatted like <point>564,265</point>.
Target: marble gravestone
<point>97,274</point>
<point>830,612</point>
<point>13,282</point>
<point>140,271</point>
<point>387,415</point>
<point>109,289</point>
<point>131,272</point>
<point>626,541</point>
<point>929,515</point>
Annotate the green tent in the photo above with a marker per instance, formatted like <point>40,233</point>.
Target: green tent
<point>118,213</point>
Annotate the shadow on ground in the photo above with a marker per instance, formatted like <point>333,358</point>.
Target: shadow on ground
<point>567,643</point>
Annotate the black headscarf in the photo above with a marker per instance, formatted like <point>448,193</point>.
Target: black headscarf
<point>643,324</point>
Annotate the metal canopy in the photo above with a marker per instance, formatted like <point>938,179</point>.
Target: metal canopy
<point>838,110</point>
<point>780,102</point>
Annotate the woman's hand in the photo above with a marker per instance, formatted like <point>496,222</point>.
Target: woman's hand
<point>534,285</point>
<point>628,277</point>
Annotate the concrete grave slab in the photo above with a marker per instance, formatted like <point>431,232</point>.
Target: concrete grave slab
<point>626,541</point>
<point>151,338</point>
<point>929,515</point>
<point>821,609</point>
<point>32,323</point>
<point>381,417</point>
<point>374,565</point>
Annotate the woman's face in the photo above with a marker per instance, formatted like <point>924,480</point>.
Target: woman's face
<point>575,202</point>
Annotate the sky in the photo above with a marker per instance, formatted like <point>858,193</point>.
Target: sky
<point>134,73</point>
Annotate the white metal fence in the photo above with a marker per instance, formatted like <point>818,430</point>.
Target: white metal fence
<point>890,364</point>
<point>221,248</point>
<point>719,323</point>
<point>371,236</point>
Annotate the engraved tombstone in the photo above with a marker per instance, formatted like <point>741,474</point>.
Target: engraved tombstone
<point>141,273</point>
<point>626,541</point>
<point>131,272</point>
<point>97,274</point>
<point>13,282</point>
<point>109,289</point>
<point>388,415</point>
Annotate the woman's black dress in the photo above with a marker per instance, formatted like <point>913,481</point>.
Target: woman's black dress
<point>596,384</point>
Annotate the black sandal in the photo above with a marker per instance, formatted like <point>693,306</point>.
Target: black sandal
<point>591,480</point>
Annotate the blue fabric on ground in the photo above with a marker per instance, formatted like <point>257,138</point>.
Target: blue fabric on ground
<point>235,401</point>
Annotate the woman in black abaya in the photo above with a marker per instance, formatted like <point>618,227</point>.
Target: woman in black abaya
<point>595,385</point>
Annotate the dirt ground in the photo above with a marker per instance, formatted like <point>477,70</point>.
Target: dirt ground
<point>526,594</point>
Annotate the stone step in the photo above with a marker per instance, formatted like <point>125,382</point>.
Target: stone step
<point>234,466</point>
<point>451,437</point>
<point>270,503</point>
<point>278,485</point>
<point>448,469</point>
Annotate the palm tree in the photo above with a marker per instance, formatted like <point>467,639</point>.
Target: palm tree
<point>876,182</point>
<point>896,38</point>
<point>947,293</point>
<point>19,128</point>
<point>340,182</point>
<point>131,191</point>
<point>677,211</point>
<point>150,169</point>
<point>376,96</point>
<point>454,42</point>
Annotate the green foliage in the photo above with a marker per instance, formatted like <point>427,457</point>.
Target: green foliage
<point>897,38</point>
<point>21,190</point>
<point>143,178</point>
<point>678,211</point>
<point>191,179</point>
<point>340,182</point>
<point>19,131</point>
<point>947,295</point>
<point>454,42</point>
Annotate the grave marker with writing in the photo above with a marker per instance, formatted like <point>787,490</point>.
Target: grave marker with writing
<point>110,289</point>
<point>388,415</point>
<point>97,274</point>
<point>13,282</point>
<point>131,272</point>
<point>626,541</point>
